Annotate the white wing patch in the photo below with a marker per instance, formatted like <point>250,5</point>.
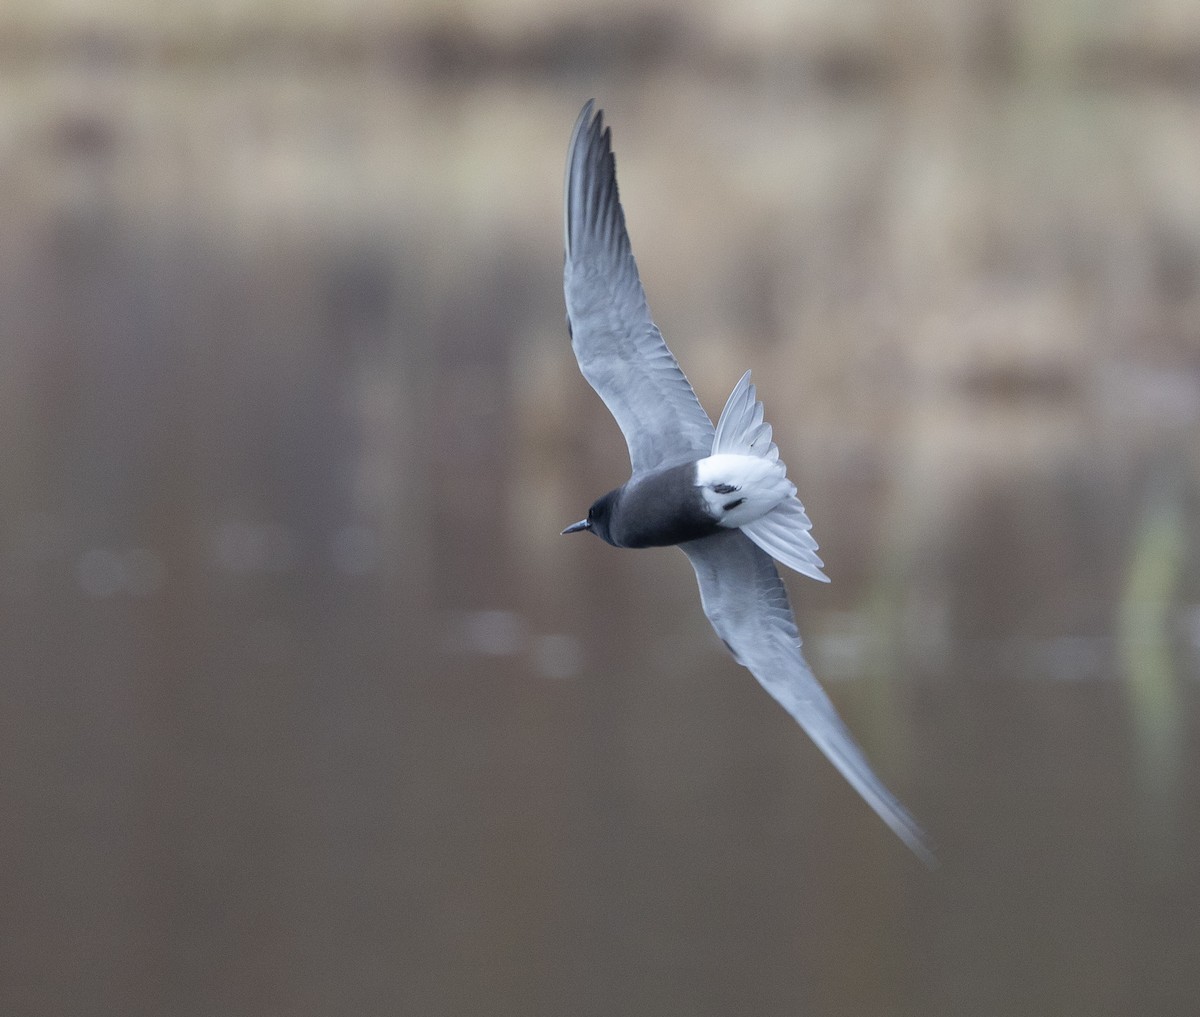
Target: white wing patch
<point>745,485</point>
<point>739,489</point>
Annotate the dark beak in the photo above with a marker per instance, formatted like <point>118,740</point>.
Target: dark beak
<point>583,524</point>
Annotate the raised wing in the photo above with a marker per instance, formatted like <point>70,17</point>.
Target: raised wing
<point>619,348</point>
<point>747,604</point>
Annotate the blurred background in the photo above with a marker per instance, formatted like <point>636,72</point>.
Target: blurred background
<point>305,706</point>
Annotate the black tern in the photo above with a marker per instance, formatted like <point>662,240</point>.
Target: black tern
<point>722,495</point>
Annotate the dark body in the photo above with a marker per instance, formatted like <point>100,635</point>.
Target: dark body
<point>655,509</point>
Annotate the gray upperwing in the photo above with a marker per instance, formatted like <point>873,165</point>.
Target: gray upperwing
<point>747,604</point>
<point>620,350</point>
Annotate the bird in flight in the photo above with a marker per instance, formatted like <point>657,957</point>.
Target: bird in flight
<point>722,495</point>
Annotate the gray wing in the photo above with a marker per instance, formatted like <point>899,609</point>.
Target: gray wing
<point>747,604</point>
<point>620,350</point>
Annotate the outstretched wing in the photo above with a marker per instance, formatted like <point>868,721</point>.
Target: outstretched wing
<point>619,348</point>
<point>747,604</point>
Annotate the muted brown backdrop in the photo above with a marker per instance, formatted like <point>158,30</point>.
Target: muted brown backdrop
<point>305,708</point>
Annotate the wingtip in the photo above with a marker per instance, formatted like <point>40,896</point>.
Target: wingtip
<point>916,840</point>
<point>585,115</point>
<point>928,857</point>
<point>590,120</point>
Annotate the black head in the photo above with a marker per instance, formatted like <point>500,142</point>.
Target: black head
<point>598,519</point>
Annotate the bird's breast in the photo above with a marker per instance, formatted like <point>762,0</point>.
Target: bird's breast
<point>662,508</point>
